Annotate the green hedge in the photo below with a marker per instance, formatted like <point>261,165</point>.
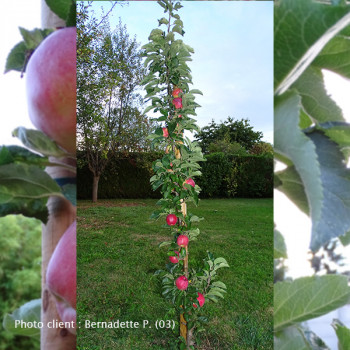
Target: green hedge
<point>223,176</point>
<point>236,176</point>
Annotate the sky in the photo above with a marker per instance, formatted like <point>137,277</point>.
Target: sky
<point>233,60</point>
<point>14,113</point>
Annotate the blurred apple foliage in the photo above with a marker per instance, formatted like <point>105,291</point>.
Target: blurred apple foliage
<point>312,139</point>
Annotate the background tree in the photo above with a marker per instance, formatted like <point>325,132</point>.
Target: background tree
<point>227,135</point>
<point>109,71</point>
<point>227,147</point>
<point>262,148</point>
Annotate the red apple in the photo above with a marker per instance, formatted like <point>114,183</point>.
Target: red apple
<point>177,102</point>
<point>171,219</point>
<point>174,259</point>
<point>182,241</point>
<point>190,181</point>
<point>181,283</point>
<point>176,92</point>
<point>61,275</point>
<point>165,132</point>
<point>51,87</point>
<point>200,299</point>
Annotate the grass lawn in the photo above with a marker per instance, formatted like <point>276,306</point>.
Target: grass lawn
<point>118,254</point>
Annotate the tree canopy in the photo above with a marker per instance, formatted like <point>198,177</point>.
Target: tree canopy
<point>109,71</point>
<point>231,136</point>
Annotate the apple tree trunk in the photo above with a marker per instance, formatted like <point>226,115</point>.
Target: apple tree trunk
<point>95,188</point>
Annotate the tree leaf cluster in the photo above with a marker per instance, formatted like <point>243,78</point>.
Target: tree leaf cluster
<point>311,139</point>
<point>311,135</point>
<point>230,132</point>
<point>203,279</point>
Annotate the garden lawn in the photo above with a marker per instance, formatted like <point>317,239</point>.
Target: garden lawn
<point>118,254</point>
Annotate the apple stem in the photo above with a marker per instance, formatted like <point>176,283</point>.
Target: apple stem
<point>183,324</point>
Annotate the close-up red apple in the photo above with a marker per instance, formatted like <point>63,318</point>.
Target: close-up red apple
<point>182,241</point>
<point>61,275</point>
<point>171,219</point>
<point>177,102</point>
<point>176,92</point>
<point>190,181</point>
<point>181,283</point>
<point>165,132</point>
<point>200,299</point>
<point>51,87</point>
<point>174,259</point>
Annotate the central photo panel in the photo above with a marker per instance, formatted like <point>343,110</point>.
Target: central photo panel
<point>175,175</point>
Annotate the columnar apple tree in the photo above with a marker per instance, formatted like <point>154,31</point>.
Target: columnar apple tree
<point>173,102</point>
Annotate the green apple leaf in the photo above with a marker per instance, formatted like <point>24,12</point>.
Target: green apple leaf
<point>298,338</point>
<point>302,29</point>
<point>25,181</point>
<point>60,7</point>
<point>293,144</point>
<point>345,239</point>
<point>39,142</point>
<point>291,338</point>
<point>338,132</point>
<point>290,183</point>
<point>71,19</point>
<point>314,340</point>
<point>24,189</point>
<point>16,58</point>
<point>319,173</point>
<point>32,208</point>
<point>280,250</point>
<point>308,297</point>
<point>18,154</point>
<point>335,55</point>
<point>343,334</point>
<point>29,312</point>
<point>196,91</point>
<point>19,55</point>
<point>33,38</point>
<point>317,104</point>
<point>335,177</point>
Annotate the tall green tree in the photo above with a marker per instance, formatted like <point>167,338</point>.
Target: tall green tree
<point>230,132</point>
<point>168,88</point>
<point>109,71</point>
